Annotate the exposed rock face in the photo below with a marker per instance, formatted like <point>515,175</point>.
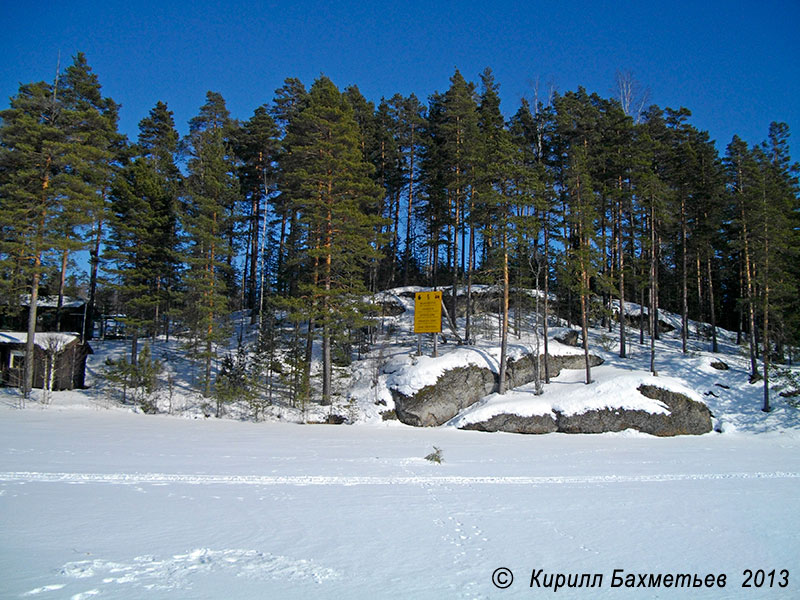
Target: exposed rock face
<point>523,370</point>
<point>719,365</point>
<point>460,388</point>
<point>516,424</point>
<point>686,417</point>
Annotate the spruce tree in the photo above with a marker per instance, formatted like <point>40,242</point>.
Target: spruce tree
<point>211,195</point>
<point>142,246</point>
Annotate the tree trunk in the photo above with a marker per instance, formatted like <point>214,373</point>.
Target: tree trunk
<point>457,203</point>
<point>701,314</point>
<point>254,246</point>
<point>95,264</point>
<point>653,307</point>
<point>714,345</point>
<point>766,341</point>
<point>327,371</point>
<point>504,326</point>
<point>29,343</point>
<point>546,299</point>
<point>61,285</point>
<point>750,300</point>
<point>407,251</point>
<point>621,261</point>
<point>684,280</point>
<point>468,329</point>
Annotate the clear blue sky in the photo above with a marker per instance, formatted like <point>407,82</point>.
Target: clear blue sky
<point>734,64</point>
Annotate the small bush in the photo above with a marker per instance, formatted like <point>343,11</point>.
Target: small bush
<point>435,456</point>
<point>139,381</point>
<point>606,342</point>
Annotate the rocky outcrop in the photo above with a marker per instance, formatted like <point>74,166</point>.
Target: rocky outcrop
<point>685,417</point>
<point>516,424</point>
<point>460,388</point>
<point>568,337</point>
<point>523,370</point>
<point>454,391</point>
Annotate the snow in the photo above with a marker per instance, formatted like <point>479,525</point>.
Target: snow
<point>52,302</point>
<point>108,503</point>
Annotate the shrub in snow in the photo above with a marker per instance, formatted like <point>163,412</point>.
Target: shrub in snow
<point>435,456</point>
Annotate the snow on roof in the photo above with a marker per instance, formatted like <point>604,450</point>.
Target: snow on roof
<point>52,302</point>
<point>46,340</point>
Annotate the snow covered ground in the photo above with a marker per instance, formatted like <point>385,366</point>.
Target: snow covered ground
<point>97,500</point>
<point>106,503</point>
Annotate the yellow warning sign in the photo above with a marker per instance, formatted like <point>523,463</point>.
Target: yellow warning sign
<point>428,312</point>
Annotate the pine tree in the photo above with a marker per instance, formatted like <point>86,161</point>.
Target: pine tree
<point>495,174</point>
<point>533,193</point>
<point>256,146</point>
<point>773,236</point>
<point>55,166</point>
<point>290,99</point>
<point>409,116</point>
<point>334,197</point>
<point>653,194</point>
<point>742,175</point>
<point>96,148</point>
<point>459,133</point>
<point>34,154</point>
<point>577,122</point>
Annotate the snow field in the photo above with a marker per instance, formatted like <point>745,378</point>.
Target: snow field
<point>113,504</point>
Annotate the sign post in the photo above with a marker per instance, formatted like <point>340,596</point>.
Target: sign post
<point>427,316</point>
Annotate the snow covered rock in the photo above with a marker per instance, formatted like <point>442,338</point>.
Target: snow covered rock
<point>459,388</point>
<point>568,337</point>
<point>683,416</point>
<point>455,390</point>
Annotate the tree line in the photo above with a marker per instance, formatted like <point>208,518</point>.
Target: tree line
<point>322,197</point>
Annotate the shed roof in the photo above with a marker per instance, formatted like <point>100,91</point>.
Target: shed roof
<point>46,340</point>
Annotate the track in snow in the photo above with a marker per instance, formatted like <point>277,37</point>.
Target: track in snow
<point>323,480</point>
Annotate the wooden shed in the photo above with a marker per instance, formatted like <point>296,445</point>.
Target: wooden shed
<point>60,357</point>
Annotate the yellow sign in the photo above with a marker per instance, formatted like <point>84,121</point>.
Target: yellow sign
<point>428,312</point>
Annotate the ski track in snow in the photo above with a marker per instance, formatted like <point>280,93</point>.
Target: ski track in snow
<point>323,480</point>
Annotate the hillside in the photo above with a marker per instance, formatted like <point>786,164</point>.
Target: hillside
<point>363,388</point>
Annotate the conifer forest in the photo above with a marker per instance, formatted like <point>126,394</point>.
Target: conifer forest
<point>298,214</point>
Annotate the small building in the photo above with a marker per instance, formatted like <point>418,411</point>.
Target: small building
<point>59,357</point>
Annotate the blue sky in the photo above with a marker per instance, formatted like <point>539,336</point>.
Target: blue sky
<point>734,64</point>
